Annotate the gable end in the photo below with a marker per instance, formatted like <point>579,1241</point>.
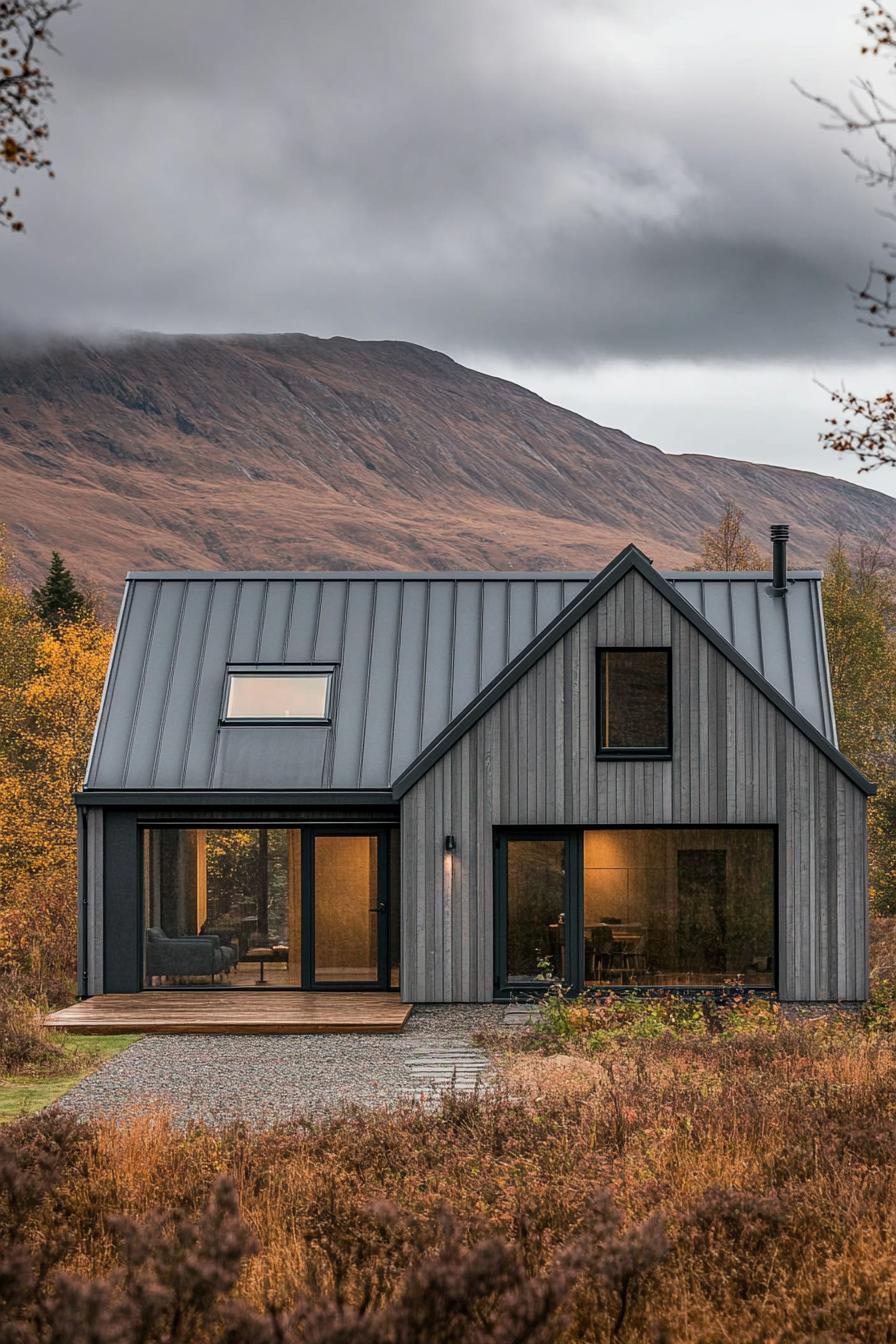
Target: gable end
<point>630,559</point>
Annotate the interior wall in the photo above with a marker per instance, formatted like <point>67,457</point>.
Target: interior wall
<point>345,893</point>
<point>633,876</point>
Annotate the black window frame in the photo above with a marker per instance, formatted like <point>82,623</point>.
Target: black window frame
<point>632,753</point>
<point>308,829</point>
<point>283,670</point>
<point>574,982</point>
<point>504,989</point>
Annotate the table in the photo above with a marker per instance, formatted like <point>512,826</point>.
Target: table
<point>263,955</point>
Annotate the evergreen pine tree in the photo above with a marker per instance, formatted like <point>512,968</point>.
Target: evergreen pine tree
<point>59,600</point>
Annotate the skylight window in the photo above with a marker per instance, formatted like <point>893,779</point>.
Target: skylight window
<point>299,695</point>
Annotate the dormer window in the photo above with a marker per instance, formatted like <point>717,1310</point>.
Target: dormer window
<point>278,695</point>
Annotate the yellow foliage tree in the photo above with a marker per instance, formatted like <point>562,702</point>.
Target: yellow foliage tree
<point>860,615</point>
<point>50,687</point>
<point>727,546</point>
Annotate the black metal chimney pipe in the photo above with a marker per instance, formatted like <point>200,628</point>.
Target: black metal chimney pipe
<point>780,533</point>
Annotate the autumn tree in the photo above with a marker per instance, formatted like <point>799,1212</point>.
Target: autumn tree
<point>59,600</point>
<point>865,426</point>
<point>20,634</point>
<point>25,90</point>
<point>50,685</point>
<point>859,596</point>
<point>727,546</point>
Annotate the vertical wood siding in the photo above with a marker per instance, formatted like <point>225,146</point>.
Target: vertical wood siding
<point>531,760</point>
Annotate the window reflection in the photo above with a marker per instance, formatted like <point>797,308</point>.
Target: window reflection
<point>679,907</point>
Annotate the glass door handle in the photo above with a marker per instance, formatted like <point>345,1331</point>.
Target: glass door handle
<point>379,908</point>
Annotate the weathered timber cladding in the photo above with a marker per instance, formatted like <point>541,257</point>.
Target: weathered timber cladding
<point>531,760</point>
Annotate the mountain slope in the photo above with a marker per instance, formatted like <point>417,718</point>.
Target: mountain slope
<point>295,452</point>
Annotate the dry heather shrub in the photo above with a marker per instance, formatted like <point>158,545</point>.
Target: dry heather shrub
<point>691,1185</point>
<point>376,1274</point>
<point>882,949</point>
<point>26,1046</point>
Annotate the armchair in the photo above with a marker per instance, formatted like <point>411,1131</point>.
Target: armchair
<point>193,955</point>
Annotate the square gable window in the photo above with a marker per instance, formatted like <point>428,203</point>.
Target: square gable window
<point>634,702</point>
<point>282,695</point>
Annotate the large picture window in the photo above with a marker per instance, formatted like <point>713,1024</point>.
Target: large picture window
<point>222,906</point>
<point>685,907</point>
<point>634,706</point>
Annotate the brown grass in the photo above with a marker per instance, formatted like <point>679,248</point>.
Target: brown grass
<point>767,1147</point>
<point>27,1047</point>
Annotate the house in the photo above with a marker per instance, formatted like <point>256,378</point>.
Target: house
<point>467,786</point>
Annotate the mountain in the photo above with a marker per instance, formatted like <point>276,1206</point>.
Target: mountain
<point>294,452</point>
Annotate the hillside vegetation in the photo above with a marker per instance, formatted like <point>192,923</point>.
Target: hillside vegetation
<point>292,452</point>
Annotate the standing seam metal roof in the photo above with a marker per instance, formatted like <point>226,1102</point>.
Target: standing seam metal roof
<point>410,650</point>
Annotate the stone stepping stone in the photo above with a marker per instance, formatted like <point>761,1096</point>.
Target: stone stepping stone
<point>458,1068</point>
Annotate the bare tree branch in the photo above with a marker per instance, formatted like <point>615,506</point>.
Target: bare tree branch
<point>25,90</point>
<point>866,426</point>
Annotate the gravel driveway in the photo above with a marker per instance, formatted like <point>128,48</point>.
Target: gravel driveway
<point>265,1079</point>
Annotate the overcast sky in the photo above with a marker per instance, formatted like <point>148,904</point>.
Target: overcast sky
<point>623,204</point>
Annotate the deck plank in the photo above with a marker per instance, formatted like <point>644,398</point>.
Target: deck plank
<point>234,1012</point>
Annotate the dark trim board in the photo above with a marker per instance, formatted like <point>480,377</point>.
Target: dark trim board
<point>122,904</point>
<point>629,559</point>
<point>130,798</point>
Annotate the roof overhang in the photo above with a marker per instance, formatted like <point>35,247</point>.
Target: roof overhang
<point>187,798</point>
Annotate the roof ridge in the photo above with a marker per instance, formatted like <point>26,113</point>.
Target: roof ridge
<point>446,575</point>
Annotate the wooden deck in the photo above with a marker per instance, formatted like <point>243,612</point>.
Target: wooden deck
<point>232,1012</point>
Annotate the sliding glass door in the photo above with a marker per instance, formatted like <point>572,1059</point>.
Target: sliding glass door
<point>349,910</point>
<point>270,906</point>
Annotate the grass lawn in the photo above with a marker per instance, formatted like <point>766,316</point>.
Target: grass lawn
<point>24,1093</point>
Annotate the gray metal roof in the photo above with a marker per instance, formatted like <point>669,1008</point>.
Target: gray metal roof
<point>411,651</point>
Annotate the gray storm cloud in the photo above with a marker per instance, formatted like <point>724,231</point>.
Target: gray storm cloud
<point>538,179</point>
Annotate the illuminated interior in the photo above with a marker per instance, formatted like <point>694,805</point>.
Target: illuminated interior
<point>663,906</point>
<point>670,906</point>
<point>224,907</point>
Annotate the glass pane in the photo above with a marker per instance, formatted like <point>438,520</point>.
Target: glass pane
<point>286,695</point>
<point>536,906</point>
<point>680,907</point>
<point>346,919</point>
<point>635,690</point>
<point>223,906</point>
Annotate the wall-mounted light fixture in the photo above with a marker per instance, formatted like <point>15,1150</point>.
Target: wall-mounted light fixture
<point>450,844</point>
